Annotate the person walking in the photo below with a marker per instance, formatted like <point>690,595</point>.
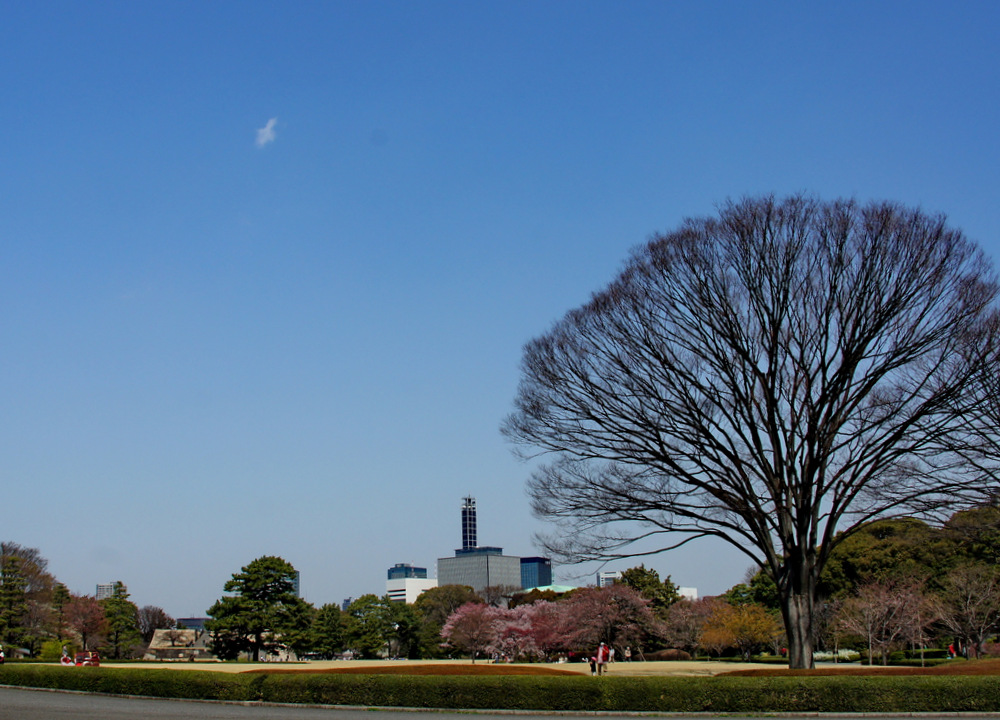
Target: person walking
<point>603,655</point>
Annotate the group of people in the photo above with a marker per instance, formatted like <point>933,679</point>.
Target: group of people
<point>603,656</point>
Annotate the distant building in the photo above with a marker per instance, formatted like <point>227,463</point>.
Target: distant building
<point>347,603</point>
<point>535,572</point>
<point>400,571</point>
<point>297,584</point>
<point>475,566</point>
<point>688,593</point>
<point>179,645</point>
<point>480,570</point>
<point>405,582</point>
<point>408,589</point>
<point>196,623</point>
<point>608,577</point>
<point>105,590</point>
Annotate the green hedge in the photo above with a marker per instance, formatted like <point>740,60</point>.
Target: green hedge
<point>584,693</point>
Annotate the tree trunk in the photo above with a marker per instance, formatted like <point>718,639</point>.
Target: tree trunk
<point>798,616</point>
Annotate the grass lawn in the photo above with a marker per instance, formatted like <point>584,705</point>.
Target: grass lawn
<point>631,669</point>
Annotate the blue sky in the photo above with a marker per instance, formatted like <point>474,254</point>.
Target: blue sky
<point>215,348</point>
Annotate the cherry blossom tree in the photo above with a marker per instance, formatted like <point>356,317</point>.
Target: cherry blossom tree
<point>514,637</point>
<point>550,627</point>
<point>471,629</point>
<point>617,615</point>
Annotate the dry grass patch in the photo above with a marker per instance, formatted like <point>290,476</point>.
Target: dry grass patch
<point>422,669</point>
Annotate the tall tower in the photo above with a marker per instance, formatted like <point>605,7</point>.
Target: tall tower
<point>469,539</point>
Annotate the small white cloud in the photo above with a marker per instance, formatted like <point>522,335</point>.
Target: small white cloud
<point>265,135</point>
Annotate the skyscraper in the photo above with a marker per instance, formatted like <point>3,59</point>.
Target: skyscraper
<point>474,565</point>
<point>469,539</point>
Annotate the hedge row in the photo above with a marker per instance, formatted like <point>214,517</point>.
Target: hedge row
<point>584,693</point>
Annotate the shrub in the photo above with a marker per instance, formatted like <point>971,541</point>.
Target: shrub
<point>670,654</point>
<point>539,693</point>
<point>52,650</point>
<point>770,660</point>
<point>844,656</point>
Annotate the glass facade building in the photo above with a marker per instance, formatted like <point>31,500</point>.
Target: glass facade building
<point>485,566</point>
<point>535,572</point>
<point>480,570</point>
<point>401,571</point>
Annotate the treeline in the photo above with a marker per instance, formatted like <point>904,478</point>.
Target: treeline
<point>893,585</point>
<point>262,616</point>
<point>898,585</point>
<point>39,616</point>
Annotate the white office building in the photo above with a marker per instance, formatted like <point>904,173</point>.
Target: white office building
<point>608,577</point>
<point>408,589</point>
<point>688,593</point>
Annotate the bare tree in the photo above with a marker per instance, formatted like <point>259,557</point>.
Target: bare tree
<point>152,618</point>
<point>174,636</point>
<point>85,617</point>
<point>970,605</point>
<point>34,569</point>
<point>685,623</point>
<point>499,595</point>
<point>769,376</point>
<point>886,614</point>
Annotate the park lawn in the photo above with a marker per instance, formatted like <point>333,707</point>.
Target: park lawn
<point>633,669</point>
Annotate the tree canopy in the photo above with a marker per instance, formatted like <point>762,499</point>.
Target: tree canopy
<point>660,593</point>
<point>785,371</point>
<point>121,619</point>
<point>264,613</point>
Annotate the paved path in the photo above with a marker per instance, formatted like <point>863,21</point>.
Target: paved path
<point>19,704</point>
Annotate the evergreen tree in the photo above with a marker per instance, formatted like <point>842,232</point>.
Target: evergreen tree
<point>404,639</point>
<point>758,590</point>
<point>328,631</point>
<point>661,595</point>
<point>264,614</point>
<point>369,625</point>
<point>13,600</point>
<point>60,599</point>
<point>433,608</point>
<point>121,618</point>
